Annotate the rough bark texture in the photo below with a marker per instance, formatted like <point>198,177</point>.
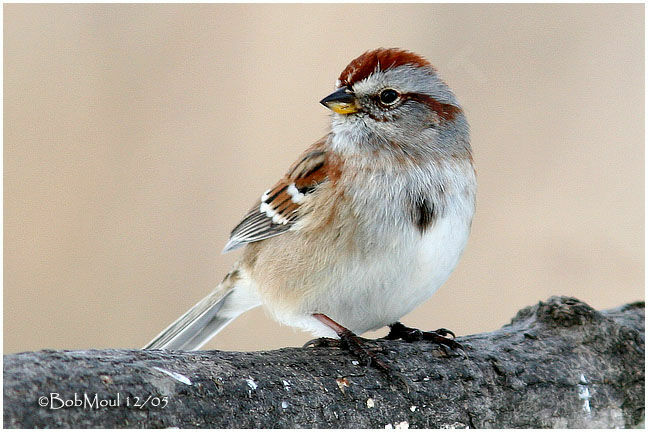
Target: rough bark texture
<point>558,364</point>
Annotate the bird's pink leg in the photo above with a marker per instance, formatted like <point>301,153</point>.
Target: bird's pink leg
<point>349,341</point>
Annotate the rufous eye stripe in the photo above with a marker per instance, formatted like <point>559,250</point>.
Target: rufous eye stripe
<point>443,110</point>
<point>446,112</point>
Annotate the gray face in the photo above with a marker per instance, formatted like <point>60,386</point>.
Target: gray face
<point>401,111</point>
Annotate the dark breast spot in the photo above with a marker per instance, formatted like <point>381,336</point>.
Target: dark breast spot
<point>423,213</point>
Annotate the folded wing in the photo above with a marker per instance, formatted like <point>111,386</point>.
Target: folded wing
<point>278,209</point>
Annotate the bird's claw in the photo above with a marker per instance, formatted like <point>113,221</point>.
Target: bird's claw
<point>445,332</point>
<point>322,343</point>
<point>408,334</point>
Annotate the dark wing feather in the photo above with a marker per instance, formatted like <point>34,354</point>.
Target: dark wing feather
<point>276,211</point>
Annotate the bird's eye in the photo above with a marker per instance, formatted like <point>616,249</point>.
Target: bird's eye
<point>388,96</point>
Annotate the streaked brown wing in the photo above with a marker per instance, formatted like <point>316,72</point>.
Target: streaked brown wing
<point>276,211</point>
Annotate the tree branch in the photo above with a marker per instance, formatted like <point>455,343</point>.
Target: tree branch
<point>558,364</point>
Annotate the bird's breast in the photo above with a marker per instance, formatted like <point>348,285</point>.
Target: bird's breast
<point>368,262</point>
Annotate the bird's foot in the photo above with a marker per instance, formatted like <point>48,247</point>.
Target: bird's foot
<point>323,342</point>
<point>409,334</point>
<point>364,349</point>
<point>366,354</point>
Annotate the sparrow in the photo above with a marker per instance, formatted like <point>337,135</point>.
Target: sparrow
<point>367,223</point>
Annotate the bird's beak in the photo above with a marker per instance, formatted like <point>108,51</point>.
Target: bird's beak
<point>342,101</point>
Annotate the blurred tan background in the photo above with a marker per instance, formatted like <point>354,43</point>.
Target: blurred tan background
<point>137,136</point>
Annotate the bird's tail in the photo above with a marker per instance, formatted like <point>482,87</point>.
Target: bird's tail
<point>209,316</point>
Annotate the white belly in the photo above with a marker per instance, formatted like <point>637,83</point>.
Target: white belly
<point>377,290</point>
<point>393,284</point>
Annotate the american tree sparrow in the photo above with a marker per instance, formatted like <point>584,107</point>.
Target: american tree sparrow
<point>368,222</point>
